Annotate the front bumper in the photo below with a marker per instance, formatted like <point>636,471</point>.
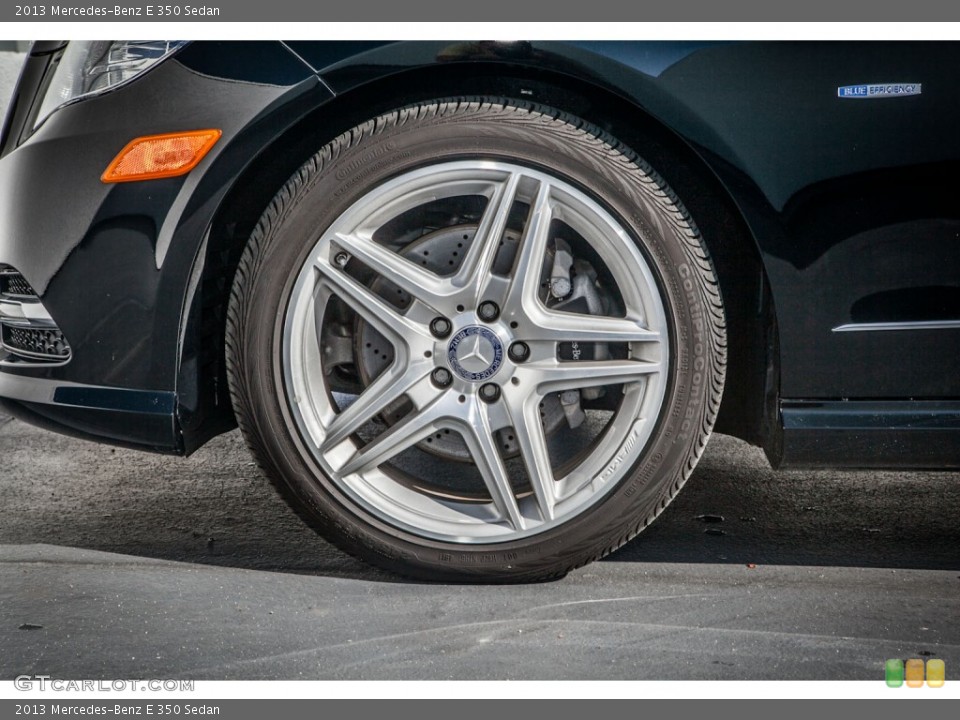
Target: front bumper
<point>117,268</point>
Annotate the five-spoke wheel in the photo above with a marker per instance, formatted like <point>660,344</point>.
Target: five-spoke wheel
<point>449,344</point>
<point>476,341</point>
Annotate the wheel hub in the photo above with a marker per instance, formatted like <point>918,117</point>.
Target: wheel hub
<point>475,353</point>
<point>440,252</point>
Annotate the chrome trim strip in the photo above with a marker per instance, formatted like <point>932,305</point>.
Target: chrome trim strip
<point>917,325</point>
<point>24,357</point>
<point>26,315</point>
<point>870,415</point>
<point>17,358</point>
<point>18,312</point>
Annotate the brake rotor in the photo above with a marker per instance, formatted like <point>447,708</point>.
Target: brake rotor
<point>440,252</point>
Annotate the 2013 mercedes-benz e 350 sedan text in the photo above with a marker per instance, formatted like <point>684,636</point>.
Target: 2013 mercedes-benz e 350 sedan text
<point>477,306</point>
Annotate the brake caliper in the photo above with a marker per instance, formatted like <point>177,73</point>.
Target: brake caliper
<point>574,288</point>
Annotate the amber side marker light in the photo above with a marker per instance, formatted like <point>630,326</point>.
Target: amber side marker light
<point>160,156</point>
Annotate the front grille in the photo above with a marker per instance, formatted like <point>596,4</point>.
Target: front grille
<point>12,283</point>
<point>28,335</point>
<point>36,342</point>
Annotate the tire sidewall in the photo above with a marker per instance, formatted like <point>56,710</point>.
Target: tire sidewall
<point>399,143</point>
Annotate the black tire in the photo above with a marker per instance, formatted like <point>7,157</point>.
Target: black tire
<point>347,168</point>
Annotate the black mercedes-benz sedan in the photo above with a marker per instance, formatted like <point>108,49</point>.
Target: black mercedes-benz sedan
<point>476,307</point>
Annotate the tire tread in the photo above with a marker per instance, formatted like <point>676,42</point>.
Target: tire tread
<point>590,140</point>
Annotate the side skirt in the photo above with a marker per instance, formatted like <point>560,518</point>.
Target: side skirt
<point>891,434</point>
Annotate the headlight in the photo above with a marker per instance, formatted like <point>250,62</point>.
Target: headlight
<point>91,67</point>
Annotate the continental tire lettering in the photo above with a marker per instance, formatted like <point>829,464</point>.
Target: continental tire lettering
<point>368,156</point>
<point>699,347</point>
<point>368,170</point>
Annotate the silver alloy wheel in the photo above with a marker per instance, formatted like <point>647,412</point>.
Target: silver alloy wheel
<point>474,352</point>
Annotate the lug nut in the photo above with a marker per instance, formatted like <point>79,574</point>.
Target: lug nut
<point>440,327</point>
<point>519,352</point>
<point>488,311</point>
<point>441,377</point>
<point>489,392</point>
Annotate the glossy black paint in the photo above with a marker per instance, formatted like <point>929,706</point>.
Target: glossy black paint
<point>850,207</point>
<point>846,198</point>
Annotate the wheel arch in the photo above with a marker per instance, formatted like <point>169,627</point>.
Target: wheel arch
<point>748,408</point>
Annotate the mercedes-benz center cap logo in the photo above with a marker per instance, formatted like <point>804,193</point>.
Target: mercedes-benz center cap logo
<point>475,353</point>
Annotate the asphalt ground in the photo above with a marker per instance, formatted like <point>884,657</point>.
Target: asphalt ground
<point>115,563</point>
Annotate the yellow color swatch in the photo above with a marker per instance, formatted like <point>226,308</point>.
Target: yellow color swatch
<point>936,673</point>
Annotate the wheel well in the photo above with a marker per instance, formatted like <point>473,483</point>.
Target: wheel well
<point>748,409</point>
